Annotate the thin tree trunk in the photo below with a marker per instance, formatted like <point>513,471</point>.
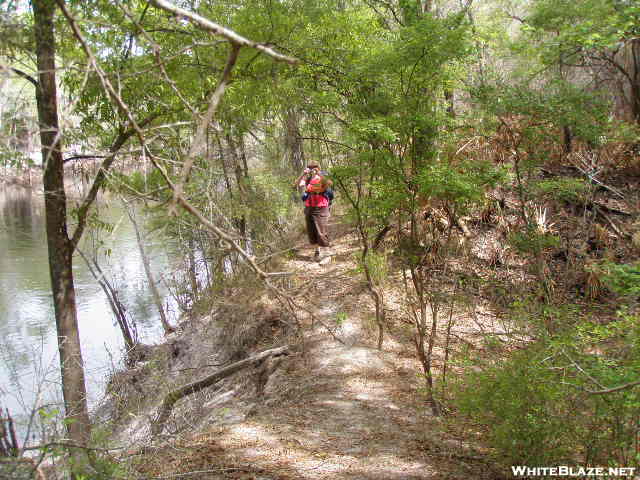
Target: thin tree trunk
<point>450,99</point>
<point>635,78</point>
<point>568,139</point>
<point>116,305</point>
<point>293,147</point>
<point>241,173</point>
<point>166,326</point>
<point>58,242</point>
<point>225,167</point>
<point>376,294</point>
<point>191,267</point>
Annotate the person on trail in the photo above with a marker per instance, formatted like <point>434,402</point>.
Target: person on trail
<point>317,197</point>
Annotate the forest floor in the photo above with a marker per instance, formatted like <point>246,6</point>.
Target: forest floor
<point>337,407</point>
<point>340,408</point>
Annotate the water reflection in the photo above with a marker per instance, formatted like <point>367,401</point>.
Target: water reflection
<point>28,346</point>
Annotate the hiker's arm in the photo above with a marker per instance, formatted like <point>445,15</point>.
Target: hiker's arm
<point>297,183</point>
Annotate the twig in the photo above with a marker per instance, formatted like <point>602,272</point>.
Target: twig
<point>71,445</point>
<point>20,73</point>
<point>326,140</point>
<point>581,370</point>
<point>83,157</point>
<point>613,225</point>
<point>199,140</point>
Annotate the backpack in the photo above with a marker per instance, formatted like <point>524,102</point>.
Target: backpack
<point>319,187</point>
<point>323,187</point>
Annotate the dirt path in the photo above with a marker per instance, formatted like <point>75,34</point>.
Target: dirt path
<point>343,410</point>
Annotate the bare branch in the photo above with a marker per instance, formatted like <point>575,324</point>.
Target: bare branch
<point>216,29</point>
<point>614,389</point>
<point>101,177</point>
<point>326,140</point>
<point>580,369</point>
<point>22,74</point>
<point>198,143</point>
<point>83,157</point>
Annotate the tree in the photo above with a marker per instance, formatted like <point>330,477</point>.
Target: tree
<point>599,37</point>
<point>59,244</point>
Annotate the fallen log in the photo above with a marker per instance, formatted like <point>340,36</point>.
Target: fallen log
<point>172,397</point>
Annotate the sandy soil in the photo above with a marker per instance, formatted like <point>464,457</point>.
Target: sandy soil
<point>339,410</point>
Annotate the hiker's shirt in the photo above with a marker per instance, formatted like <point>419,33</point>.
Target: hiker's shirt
<point>315,199</point>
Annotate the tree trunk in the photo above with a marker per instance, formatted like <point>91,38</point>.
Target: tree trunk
<point>58,242</point>
<point>568,139</point>
<point>449,98</point>
<point>241,173</point>
<point>293,147</point>
<point>634,48</point>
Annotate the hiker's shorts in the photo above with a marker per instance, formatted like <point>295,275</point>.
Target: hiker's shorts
<point>317,220</point>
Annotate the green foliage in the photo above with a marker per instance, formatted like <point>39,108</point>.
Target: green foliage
<point>533,241</point>
<point>544,109</point>
<point>341,317</point>
<point>623,279</point>
<point>151,183</point>
<point>537,407</point>
<point>14,159</point>
<point>517,401</point>
<point>571,190</point>
<point>573,29</point>
<point>461,184</point>
<point>377,264</point>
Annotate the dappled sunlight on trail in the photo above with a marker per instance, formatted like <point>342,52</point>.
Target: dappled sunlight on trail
<point>343,410</point>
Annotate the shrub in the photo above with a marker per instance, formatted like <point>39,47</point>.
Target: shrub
<point>552,402</point>
<point>571,190</point>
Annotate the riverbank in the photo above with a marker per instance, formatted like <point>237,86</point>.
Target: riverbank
<point>335,407</point>
<point>29,368</point>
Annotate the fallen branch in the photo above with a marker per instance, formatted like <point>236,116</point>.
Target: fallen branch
<point>615,228</point>
<point>609,209</point>
<point>172,397</point>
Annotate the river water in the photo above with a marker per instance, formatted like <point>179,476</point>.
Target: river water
<point>29,369</point>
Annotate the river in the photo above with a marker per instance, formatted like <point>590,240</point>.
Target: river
<point>29,369</point>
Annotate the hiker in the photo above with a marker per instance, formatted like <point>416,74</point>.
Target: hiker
<point>317,198</point>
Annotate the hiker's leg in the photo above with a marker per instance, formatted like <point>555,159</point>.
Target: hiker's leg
<point>312,232</point>
<point>321,219</point>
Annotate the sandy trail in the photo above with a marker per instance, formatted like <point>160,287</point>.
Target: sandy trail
<point>343,410</point>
